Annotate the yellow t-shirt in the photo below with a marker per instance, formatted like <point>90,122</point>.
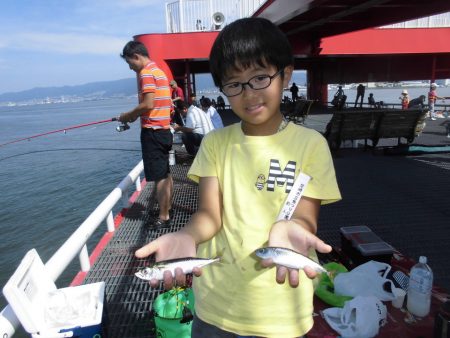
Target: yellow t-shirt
<point>255,174</point>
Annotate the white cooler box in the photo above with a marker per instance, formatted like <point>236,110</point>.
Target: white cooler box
<point>45,311</point>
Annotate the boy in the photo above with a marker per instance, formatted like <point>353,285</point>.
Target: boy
<point>154,112</point>
<point>245,172</point>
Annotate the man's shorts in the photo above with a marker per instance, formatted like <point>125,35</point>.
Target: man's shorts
<point>155,153</point>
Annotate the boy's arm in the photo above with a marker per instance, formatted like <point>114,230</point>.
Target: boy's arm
<point>145,105</point>
<point>306,214</point>
<point>203,225</point>
<point>207,221</point>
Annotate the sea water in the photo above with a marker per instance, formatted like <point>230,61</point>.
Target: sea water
<point>49,185</point>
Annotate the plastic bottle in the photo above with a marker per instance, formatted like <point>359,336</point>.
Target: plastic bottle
<point>172,160</point>
<point>419,289</point>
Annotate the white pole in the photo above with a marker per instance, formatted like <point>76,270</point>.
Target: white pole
<point>84,259</point>
<point>181,10</point>
<point>110,222</point>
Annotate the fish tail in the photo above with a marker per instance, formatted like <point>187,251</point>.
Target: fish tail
<point>219,256</point>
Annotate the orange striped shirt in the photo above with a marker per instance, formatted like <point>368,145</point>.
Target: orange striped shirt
<point>153,80</point>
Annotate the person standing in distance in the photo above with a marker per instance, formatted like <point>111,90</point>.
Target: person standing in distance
<point>360,90</point>
<point>294,91</point>
<point>432,97</point>
<point>154,113</point>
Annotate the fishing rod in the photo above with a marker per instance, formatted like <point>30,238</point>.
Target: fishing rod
<point>119,128</point>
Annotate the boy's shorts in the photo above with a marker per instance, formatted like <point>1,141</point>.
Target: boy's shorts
<point>155,153</point>
<point>201,329</point>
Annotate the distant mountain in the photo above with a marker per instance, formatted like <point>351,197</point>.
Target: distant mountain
<point>107,89</point>
<point>124,87</point>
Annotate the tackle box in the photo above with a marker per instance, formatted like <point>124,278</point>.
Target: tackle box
<point>362,245</point>
<point>46,311</point>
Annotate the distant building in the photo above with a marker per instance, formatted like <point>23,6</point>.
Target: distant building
<point>443,82</point>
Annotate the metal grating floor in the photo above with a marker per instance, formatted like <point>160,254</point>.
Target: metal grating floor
<point>403,199</point>
<point>129,299</point>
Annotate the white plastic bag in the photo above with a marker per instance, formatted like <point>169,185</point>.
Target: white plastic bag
<point>360,317</point>
<point>368,279</point>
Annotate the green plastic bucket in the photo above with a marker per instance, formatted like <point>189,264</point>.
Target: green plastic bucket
<point>173,313</point>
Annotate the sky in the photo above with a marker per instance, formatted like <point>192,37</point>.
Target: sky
<point>46,43</point>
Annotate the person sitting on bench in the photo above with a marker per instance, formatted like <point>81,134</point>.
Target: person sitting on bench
<point>418,102</point>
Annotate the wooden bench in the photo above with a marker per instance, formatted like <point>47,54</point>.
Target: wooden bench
<point>297,111</point>
<point>374,124</point>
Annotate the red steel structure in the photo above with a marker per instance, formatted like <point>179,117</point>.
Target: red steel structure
<point>335,41</point>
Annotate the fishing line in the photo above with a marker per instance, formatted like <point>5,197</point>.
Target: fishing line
<point>65,149</point>
<point>61,130</point>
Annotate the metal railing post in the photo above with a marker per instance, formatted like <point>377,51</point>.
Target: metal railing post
<point>110,222</point>
<point>84,259</point>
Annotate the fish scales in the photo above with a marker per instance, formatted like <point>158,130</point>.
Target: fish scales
<point>186,264</point>
<point>289,258</point>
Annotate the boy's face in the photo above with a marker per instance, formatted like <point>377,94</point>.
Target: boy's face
<point>259,109</point>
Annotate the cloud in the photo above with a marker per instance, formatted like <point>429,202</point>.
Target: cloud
<point>68,43</point>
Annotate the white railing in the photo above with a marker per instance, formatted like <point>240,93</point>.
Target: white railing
<point>199,15</point>
<point>76,244</point>
<point>440,20</point>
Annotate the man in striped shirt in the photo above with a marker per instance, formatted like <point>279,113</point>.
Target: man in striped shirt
<point>154,112</point>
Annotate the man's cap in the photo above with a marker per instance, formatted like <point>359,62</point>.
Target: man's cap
<point>433,85</point>
<point>404,91</point>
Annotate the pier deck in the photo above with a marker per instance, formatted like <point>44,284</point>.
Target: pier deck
<point>403,199</point>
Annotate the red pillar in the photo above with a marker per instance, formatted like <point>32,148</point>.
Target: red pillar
<point>316,89</point>
<point>433,69</point>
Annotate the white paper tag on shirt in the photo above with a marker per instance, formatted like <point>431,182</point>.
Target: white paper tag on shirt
<point>294,197</point>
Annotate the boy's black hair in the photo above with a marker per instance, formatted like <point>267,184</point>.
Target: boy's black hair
<point>134,47</point>
<point>246,42</point>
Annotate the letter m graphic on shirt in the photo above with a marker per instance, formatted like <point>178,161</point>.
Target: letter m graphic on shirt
<point>281,177</point>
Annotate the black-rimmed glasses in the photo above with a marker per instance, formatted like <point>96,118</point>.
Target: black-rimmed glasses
<point>257,82</point>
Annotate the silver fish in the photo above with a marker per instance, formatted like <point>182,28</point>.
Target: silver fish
<point>156,271</point>
<point>288,258</point>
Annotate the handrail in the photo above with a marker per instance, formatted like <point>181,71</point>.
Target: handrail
<point>76,244</point>
<point>349,104</point>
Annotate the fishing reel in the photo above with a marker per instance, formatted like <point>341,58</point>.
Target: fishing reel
<point>122,127</point>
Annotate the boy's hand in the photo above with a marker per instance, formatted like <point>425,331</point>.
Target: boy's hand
<point>170,246</point>
<point>291,235</point>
